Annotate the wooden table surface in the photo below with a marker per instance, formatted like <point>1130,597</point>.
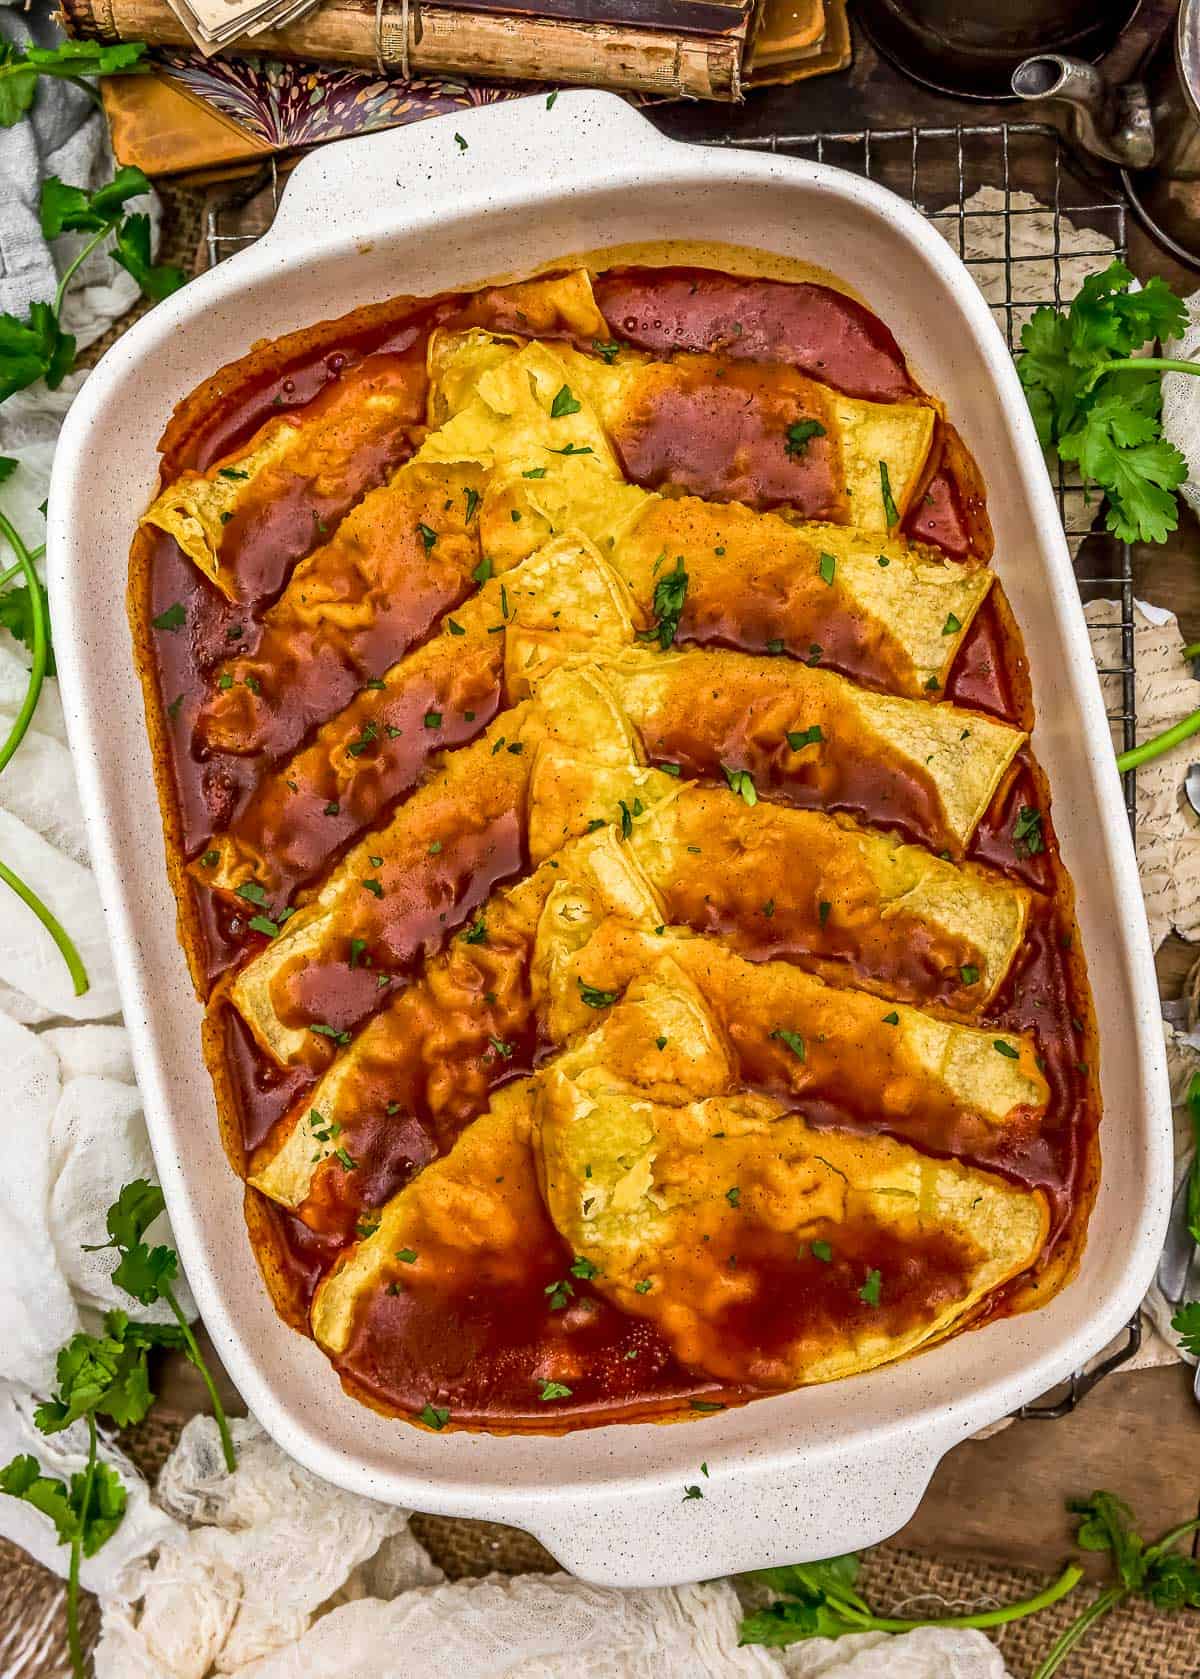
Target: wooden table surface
<point>1137,1434</point>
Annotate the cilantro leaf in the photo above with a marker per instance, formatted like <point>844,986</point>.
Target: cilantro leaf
<point>1106,1524</point>
<point>133,1212</point>
<point>1186,1324</point>
<point>68,209</point>
<point>19,70</point>
<point>132,251</point>
<point>16,615</point>
<point>1140,480</point>
<point>146,1272</point>
<point>32,349</point>
<point>91,1527</point>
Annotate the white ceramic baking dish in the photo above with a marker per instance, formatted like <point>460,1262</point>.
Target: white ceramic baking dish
<point>806,1474</point>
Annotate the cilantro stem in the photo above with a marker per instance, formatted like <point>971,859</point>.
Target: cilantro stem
<point>37,675</point>
<point>75,265</point>
<point>73,1640</point>
<point>41,640</point>
<point>1066,1642</point>
<point>197,1358</point>
<point>1145,750</point>
<point>55,928</point>
<point>1142,364</point>
<point>1058,1589</point>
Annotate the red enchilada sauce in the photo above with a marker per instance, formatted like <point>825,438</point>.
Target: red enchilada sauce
<point>471,1349</point>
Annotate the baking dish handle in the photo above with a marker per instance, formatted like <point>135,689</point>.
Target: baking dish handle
<point>443,164</point>
<point>720,1519</point>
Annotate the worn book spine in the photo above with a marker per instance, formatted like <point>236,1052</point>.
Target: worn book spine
<point>443,41</point>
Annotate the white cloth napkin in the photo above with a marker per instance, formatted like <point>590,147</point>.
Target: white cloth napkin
<point>270,1574</point>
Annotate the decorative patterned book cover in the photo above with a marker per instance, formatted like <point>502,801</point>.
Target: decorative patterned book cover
<point>283,104</point>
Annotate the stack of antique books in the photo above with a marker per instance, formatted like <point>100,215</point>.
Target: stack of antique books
<point>234,79</point>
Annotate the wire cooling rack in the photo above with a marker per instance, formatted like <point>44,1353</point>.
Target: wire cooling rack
<point>1029,227</point>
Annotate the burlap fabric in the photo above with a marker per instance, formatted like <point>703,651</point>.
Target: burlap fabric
<point>1134,1643</point>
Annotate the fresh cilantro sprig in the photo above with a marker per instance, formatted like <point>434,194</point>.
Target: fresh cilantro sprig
<point>1165,1577</point>
<point>1099,404</point>
<point>821,1600</point>
<point>107,1375</point>
<point>147,1274</point>
<point>24,612</point>
<point>37,347</point>
<point>98,1375</point>
<point>20,68</point>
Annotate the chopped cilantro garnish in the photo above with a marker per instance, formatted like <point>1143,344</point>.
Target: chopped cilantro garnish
<point>434,1416</point>
<point>596,999</point>
<point>1027,830</point>
<point>669,594</point>
<point>870,1290</point>
<point>827,568</point>
<point>799,435</point>
<point>252,892</point>
<point>792,1039</point>
<point>173,618</point>
<point>822,1251</point>
<point>741,782</point>
<point>1006,1049</point>
<point>368,733</point>
<point>969,974</point>
<point>564,403</point>
<point>952,625</point>
<point>554,1390</point>
<point>892,1019</point>
<point>798,739</point>
<point>885,489</point>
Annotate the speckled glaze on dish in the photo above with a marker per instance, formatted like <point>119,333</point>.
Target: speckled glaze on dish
<point>808,1473</point>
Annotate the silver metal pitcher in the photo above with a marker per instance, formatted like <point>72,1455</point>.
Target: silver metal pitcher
<point>1149,127</point>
